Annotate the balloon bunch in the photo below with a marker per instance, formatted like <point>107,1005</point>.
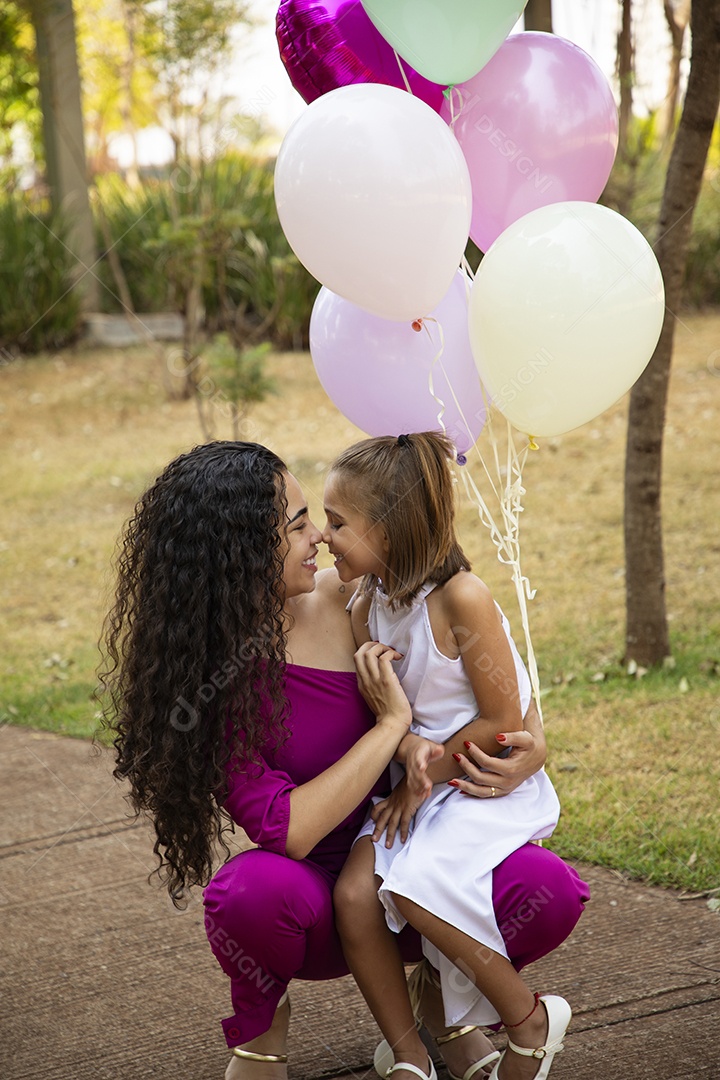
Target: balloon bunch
<point>427,124</point>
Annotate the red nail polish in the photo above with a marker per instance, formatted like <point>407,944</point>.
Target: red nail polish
<point>453,783</point>
<point>457,757</point>
<point>501,738</point>
<point>467,745</point>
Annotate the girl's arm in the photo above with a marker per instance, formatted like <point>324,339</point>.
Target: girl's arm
<point>319,805</point>
<point>468,610</point>
<point>527,756</point>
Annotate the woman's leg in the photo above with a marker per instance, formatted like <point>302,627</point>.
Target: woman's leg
<point>269,919</point>
<point>538,900</point>
<point>373,956</point>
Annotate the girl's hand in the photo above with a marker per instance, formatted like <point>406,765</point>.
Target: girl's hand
<point>379,684</point>
<point>397,811</point>
<point>500,776</point>
<point>420,753</point>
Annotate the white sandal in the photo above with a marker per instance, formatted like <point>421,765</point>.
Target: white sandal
<point>559,1015</point>
<point>432,1075</point>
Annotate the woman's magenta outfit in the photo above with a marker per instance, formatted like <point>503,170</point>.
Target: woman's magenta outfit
<point>269,918</point>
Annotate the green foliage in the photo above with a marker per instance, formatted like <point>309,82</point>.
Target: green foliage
<point>38,310</point>
<point>222,213</point>
<point>239,374</point>
<point>19,95</point>
<point>635,190</point>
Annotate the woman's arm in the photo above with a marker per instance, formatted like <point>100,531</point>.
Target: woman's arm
<point>319,805</point>
<point>528,754</point>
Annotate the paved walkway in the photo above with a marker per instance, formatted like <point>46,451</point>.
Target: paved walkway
<point>100,978</point>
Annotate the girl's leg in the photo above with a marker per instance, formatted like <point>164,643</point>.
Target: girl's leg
<point>538,900</point>
<point>268,920</point>
<point>496,978</point>
<point>373,956</point>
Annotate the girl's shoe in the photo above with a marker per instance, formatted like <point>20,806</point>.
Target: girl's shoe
<point>559,1014</point>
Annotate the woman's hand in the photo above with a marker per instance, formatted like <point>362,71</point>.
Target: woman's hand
<point>397,811</point>
<point>379,684</point>
<point>500,776</point>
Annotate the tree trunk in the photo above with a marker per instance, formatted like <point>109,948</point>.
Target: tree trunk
<point>647,639</point>
<point>54,24</point>
<point>677,14</point>
<point>538,15</point>
<point>625,56</point>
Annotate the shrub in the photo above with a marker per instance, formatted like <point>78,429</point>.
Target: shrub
<point>38,308</point>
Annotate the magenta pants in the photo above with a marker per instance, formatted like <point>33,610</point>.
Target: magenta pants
<point>269,919</point>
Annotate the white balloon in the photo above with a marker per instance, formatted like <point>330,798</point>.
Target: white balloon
<point>374,196</point>
<point>565,313</point>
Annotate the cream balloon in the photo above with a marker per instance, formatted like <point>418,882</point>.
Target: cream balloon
<point>565,312</point>
<point>374,196</point>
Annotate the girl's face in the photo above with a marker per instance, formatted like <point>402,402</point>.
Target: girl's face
<point>302,539</point>
<point>359,546</point>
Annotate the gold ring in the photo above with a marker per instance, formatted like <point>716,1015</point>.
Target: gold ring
<point>492,792</point>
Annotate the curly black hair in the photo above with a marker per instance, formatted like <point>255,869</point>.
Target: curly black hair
<point>194,646</point>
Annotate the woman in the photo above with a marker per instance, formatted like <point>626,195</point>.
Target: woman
<point>233,694</point>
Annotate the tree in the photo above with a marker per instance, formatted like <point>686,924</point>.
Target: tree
<point>185,40</point>
<point>538,15</point>
<point>625,61</point>
<point>19,98</point>
<point>54,23</point>
<point>119,87</point>
<point>677,14</point>
<point>647,639</point>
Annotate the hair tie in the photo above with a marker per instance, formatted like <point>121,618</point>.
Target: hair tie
<point>403,440</point>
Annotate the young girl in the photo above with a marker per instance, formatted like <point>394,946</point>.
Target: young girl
<point>390,520</point>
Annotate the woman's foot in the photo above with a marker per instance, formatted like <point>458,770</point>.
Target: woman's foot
<point>421,1062</point>
<point>458,1053</point>
<point>272,1042</point>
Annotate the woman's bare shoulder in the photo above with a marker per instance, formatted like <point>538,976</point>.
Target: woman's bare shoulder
<point>329,587</point>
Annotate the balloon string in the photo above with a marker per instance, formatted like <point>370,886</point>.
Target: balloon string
<point>507,541</point>
<point>505,537</point>
<point>450,95</point>
<point>402,72</point>
<point>436,360</point>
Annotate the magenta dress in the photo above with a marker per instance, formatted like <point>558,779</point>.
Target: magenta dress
<point>269,918</point>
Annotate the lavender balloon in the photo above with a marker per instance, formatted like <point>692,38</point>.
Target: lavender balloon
<point>328,44</point>
<point>538,125</point>
<point>378,372</point>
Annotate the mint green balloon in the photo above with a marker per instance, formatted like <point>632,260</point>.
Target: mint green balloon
<point>447,41</point>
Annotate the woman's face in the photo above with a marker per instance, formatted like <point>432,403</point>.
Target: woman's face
<point>302,539</point>
<point>359,546</point>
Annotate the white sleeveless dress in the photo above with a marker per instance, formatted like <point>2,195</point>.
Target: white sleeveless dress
<point>455,841</point>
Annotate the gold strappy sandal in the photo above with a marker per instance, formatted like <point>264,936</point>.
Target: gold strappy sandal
<point>250,1055</point>
<point>421,975</point>
<point>269,1059</point>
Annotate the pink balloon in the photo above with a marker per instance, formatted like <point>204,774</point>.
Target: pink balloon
<point>378,372</point>
<point>328,44</point>
<point>538,125</point>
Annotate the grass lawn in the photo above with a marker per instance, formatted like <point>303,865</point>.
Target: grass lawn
<point>635,758</point>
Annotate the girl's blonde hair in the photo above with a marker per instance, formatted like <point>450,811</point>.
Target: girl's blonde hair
<point>406,485</point>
